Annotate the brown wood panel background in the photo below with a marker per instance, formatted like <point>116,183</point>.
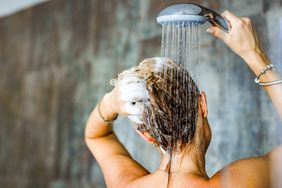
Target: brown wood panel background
<point>55,63</point>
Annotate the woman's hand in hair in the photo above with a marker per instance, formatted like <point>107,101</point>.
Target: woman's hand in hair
<point>113,102</point>
<point>128,97</point>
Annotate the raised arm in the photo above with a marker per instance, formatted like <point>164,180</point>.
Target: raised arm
<point>117,165</point>
<point>264,171</point>
<point>242,39</point>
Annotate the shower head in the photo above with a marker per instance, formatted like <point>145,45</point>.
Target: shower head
<point>191,13</point>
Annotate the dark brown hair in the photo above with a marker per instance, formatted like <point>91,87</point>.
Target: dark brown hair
<point>171,115</point>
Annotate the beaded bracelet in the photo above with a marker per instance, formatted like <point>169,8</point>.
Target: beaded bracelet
<point>267,68</point>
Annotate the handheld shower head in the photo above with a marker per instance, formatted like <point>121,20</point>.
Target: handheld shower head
<point>191,13</point>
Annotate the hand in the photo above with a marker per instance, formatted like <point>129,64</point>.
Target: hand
<point>113,102</point>
<point>128,98</point>
<point>242,38</point>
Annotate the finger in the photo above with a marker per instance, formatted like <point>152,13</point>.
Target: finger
<point>230,17</point>
<point>246,20</point>
<point>124,109</point>
<point>215,31</point>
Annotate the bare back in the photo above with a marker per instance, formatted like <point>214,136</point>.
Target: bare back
<point>255,172</point>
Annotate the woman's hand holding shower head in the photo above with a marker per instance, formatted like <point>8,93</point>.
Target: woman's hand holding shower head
<point>242,38</point>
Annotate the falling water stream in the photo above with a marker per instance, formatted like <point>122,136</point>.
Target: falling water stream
<point>171,114</point>
<point>180,42</point>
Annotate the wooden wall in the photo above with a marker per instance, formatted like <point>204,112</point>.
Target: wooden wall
<point>55,63</point>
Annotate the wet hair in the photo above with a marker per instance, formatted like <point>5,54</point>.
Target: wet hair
<point>171,115</point>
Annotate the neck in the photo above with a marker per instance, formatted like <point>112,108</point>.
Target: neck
<point>192,162</point>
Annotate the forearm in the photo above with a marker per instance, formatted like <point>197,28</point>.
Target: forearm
<point>99,135</point>
<point>96,127</point>
<point>257,61</point>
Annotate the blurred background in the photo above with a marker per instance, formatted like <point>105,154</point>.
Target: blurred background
<point>56,60</point>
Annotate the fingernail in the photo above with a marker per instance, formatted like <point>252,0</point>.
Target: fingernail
<point>210,30</point>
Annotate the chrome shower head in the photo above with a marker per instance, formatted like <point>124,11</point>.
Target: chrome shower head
<point>191,13</point>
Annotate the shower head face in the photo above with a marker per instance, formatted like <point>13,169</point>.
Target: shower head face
<point>181,13</point>
<point>191,14</point>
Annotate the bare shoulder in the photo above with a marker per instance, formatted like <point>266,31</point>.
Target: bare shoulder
<point>274,159</point>
<point>263,171</point>
<point>249,172</point>
<point>275,154</point>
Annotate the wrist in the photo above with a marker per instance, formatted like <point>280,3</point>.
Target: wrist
<point>254,54</point>
<point>256,60</point>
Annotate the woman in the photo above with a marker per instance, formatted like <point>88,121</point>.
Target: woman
<point>182,140</point>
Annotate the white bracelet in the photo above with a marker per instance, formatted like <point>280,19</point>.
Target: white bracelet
<point>270,83</point>
<point>267,68</point>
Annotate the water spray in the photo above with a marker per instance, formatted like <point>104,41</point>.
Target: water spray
<point>181,26</point>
